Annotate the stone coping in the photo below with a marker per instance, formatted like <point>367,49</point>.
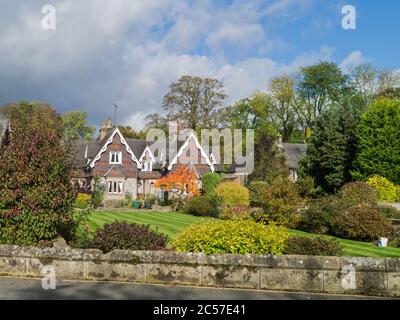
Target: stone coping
<point>349,275</point>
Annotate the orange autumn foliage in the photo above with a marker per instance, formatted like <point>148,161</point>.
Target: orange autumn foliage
<point>181,180</point>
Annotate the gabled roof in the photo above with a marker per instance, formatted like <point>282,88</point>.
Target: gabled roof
<point>86,153</point>
<point>109,140</point>
<point>294,153</point>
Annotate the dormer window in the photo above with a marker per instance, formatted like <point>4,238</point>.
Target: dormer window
<point>147,165</point>
<point>115,157</point>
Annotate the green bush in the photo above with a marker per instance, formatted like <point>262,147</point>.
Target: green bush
<point>36,193</point>
<point>305,186</point>
<point>232,194</point>
<point>97,194</point>
<point>361,222</point>
<point>378,136</point>
<point>354,193</point>
<point>206,205</point>
<point>114,204</point>
<point>235,212</point>
<point>209,181</point>
<point>317,217</point>
<point>125,236</point>
<point>257,189</point>
<point>318,246</point>
<point>398,194</point>
<point>280,202</point>
<point>82,201</point>
<point>232,236</point>
<point>385,190</point>
<point>390,212</point>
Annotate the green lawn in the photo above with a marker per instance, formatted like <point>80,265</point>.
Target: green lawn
<point>356,248</point>
<point>171,223</point>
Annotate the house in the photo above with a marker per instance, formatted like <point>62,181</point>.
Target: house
<point>125,166</point>
<point>293,154</point>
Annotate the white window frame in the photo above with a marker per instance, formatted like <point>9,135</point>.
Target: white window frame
<point>118,155</point>
<point>115,186</point>
<point>147,166</point>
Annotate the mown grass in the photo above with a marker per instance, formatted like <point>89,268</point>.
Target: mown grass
<point>357,248</point>
<point>171,223</point>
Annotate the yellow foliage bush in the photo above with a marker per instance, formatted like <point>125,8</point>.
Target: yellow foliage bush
<point>232,236</point>
<point>385,189</point>
<point>232,194</point>
<point>82,201</point>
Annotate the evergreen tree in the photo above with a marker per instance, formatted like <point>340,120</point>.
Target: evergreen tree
<point>378,150</point>
<point>331,150</point>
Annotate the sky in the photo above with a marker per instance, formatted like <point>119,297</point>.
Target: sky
<point>128,52</point>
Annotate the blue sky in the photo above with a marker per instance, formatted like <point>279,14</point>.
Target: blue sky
<point>129,51</point>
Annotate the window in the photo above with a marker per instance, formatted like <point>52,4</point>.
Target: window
<point>115,157</point>
<point>115,187</point>
<point>147,165</point>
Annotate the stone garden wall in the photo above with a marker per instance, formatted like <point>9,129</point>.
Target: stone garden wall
<point>264,272</point>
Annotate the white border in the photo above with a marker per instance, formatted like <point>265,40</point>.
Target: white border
<point>184,146</point>
<point>110,140</point>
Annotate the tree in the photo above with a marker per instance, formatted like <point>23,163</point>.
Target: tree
<point>271,162</point>
<point>318,87</point>
<point>364,79</point>
<point>281,102</point>
<point>209,181</point>
<point>378,147</point>
<point>331,150</point>
<point>195,100</point>
<point>180,182</point>
<point>76,126</point>
<point>42,115</point>
<point>36,194</point>
<point>156,121</point>
<point>129,132</point>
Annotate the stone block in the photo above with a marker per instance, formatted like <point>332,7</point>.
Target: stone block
<point>291,280</point>
<point>173,274</point>
<point>231,276</point>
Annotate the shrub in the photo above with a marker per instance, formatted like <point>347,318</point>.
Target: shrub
<point>114,203</point>
<point>125,236</point>
<point>305,186</point>
<point>235,212</point>
<point>317,217</point>
<point>317,246</point>
<point>36,193</point>
<point>361,222</point>
<point>354,193</point>
<point>394,241</point>
<point>209,181</point>
<point>385,190</point>
<point>82,201</point>
<point>280,202</point>
<point>390,212</point>
<point>97,194</point>
<point>206,205</point>
<point>232,194</point>
<point>398,194</point>
<point>256,189</point>
<point>232,236</point>
<point>378,135</point>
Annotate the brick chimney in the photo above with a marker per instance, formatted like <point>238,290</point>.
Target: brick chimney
<point>105,128</point>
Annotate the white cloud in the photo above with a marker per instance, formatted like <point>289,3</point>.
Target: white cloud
<point>354,59</point>
<point>128,52</point>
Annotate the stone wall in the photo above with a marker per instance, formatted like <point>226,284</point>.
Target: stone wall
<point>368,276</point>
